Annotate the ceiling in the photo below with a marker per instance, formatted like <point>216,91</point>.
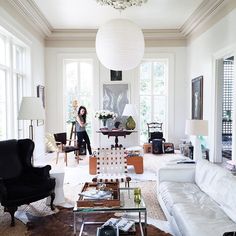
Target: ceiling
<point>169,22</point>
<point>88,14</point>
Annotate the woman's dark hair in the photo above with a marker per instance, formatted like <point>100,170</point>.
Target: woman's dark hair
<point>85,113</point>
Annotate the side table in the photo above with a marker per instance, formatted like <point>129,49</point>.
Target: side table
<point>147,148</point>
<point>59,192</point>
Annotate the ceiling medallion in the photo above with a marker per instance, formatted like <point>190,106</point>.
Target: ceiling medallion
<point>121,4</point>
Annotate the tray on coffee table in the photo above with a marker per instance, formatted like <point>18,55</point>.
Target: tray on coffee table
<point>94,195</point>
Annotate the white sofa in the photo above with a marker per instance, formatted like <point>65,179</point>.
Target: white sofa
<point>199,200</point>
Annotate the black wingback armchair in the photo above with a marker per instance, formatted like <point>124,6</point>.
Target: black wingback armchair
<point>20,182</point>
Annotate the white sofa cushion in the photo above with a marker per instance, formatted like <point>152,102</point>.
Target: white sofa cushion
<point>205,219</point>
<point>219,184</point>
<point>194,211</point>
<point>177,192</point>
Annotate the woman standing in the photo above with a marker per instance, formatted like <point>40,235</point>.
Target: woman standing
<point>80,128</point>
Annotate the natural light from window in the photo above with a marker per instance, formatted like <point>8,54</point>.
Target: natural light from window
<point>153,94</point>
<point>79,87</point>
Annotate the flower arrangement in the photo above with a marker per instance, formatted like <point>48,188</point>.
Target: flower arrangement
<point>105,114</point>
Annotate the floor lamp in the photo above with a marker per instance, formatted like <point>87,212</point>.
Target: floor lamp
<point>31,109</point>
<point>197,128</point>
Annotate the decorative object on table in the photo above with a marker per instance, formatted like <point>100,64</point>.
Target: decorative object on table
<point>197,98</point>
<point>117,124</point>
<point>197,128</point>
<point>104,115</point>
<point>117,52</point>
<point>116,75</point>
<point>121,4</point>
<point>31,108</point>
<point>168,148</point>
<point>137,195</point>
<point>186,148</point>
<point>130,111</point>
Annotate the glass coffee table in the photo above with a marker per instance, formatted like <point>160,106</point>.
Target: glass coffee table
<point>127,205</point>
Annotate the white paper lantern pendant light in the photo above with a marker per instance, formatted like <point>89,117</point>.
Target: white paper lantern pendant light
<point>120,44</point>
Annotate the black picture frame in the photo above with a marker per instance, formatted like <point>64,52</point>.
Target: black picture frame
<point>116,75</point>
<point>168,148</point>
<point>41,94</point>
<point>197,98</point>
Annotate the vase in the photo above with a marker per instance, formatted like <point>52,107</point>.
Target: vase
<point>104,123</point>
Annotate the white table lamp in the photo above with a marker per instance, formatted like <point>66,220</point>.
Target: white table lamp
<point>31,109</point>
<point>130,111</point>
<point>196,128</point>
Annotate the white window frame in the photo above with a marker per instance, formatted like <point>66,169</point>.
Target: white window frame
<point>169,124</point>
<point>11,91</point>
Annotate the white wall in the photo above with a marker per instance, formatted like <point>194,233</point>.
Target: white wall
<point>54,90</point>
<point>15,24</point>
<point>201,54</point>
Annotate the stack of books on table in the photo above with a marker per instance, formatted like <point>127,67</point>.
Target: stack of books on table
<point>96,194</point>
<point>124,225</point>
<point>231,166</point>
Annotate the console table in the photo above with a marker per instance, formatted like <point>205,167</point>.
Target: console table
<point>116,133</point>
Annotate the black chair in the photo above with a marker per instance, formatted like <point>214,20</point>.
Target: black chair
<point>20,182</point>
<point>155,131</point>
<point>61,142</point>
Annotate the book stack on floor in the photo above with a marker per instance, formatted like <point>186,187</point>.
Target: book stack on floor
<point>125,226</point>
<point>231,166</point>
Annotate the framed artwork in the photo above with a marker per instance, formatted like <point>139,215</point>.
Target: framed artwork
<point>115,97</point>
<point>197,98</point>
<point>168,148</point>
<point>116,75</point>
<point>41,94</point>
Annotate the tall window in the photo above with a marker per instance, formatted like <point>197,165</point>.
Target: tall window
<point>79,88</point>
<point>153,94</point>
<point>12,76</point>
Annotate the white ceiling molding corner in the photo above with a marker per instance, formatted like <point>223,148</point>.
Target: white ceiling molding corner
<point>33,15</point>
<point>205,10</point>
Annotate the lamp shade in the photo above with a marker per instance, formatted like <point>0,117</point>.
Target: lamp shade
<point>31,109</point>
<point>196,127</point>
<point>129,110</point>
<point>120,44</point>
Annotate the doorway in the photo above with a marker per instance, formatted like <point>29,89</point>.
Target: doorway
<point>227,105</point>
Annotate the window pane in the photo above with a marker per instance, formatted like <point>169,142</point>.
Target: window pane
<point>18,94</point>
<point>2,51</point>
<point>3,111</point>
<point>159,78</point>
<point>145,117</point>
<point>79,83</point>
<point>18,55</point>
<point>159,108</point>
<point>145,78</point>
<point>71,89</point>
<point>86,78</point>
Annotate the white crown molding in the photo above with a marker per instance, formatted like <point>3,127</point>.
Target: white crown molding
<point>205,10</point>
<point>149,34</point>
<point>31,12</point>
